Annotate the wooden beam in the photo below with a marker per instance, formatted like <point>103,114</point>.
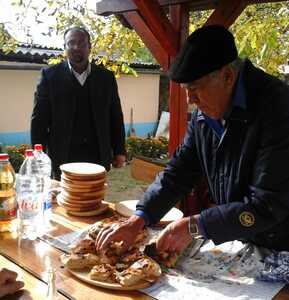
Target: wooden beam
<point>107,7</point>
<point>227,12</point>
<point>159,24</point>
<point>263,1</point>
<point>144,32</point>
<point>179,16</point>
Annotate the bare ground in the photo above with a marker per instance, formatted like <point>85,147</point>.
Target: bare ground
<point>121,186</point>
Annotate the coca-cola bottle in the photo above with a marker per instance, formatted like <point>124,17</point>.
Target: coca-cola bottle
<point>29,186</point>
<point>8,205</point>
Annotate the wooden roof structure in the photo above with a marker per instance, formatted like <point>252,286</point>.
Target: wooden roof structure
<point>163,27</point>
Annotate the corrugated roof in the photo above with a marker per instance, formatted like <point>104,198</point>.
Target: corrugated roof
<point>38,50</point>
<point>30,54</point>
<point>37,54</point>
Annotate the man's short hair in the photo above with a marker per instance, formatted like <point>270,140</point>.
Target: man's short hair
<point>206,50</point>
<point>77,28</point>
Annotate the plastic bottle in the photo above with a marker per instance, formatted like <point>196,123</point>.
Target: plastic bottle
<point>52,293</point>
<point>44,163</point>
<point>8,204</point>
<point>29,187</point>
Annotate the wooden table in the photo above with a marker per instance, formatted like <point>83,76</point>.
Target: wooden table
<point>31,258</point>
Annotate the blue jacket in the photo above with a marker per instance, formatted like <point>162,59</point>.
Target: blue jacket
<point>247,171</point>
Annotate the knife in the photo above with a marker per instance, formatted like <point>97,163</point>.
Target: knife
<point>151,250</point>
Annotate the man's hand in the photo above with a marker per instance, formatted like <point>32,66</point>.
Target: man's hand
<point>8,283</point>
<point>175,237</point>
<point>118,161</point>
<point>125,231</point>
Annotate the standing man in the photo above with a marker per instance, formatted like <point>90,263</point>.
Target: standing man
<point>77,113</point>
<point>238,139</point>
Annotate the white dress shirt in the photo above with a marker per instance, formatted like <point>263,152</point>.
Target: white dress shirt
<point>80,77</point>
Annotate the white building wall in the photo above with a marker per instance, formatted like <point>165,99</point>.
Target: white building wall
<point>17,92</point>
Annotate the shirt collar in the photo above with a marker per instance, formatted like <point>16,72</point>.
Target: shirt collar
<point>86,71</point>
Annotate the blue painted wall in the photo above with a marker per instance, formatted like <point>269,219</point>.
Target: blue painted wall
<point>14,138</point>
<point>17,138</point>
<point>142,129</point>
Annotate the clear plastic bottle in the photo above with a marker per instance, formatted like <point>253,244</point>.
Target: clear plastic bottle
<point>8,204</point>
<point>52,293</point>
<point>44,163</point>
<point>29,187</point>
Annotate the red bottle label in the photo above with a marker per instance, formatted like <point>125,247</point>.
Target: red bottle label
<point>8,208</point>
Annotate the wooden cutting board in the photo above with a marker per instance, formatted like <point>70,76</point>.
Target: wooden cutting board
<point>126,209</point>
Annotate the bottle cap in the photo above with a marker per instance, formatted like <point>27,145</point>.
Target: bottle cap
<point>29,152</point>
<point>38,147</point>
<point>4,156</point>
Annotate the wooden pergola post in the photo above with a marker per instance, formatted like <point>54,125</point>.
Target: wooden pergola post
<point>164,37</point>
<point>179,15</point>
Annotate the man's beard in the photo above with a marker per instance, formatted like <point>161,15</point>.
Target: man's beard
<point>77,58</point>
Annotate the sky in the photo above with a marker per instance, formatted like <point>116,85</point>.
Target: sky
<point>8,16</point>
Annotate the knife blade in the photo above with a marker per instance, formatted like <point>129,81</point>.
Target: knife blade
<point>151,250</point>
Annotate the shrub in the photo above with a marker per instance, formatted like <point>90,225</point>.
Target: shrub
<point>154,148</point>
<point>16,155</point>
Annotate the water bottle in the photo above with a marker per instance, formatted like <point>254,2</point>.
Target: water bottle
<point>29,187</point>
<point>44,163</point>
<point>8,204</point>
<point>52,293</point>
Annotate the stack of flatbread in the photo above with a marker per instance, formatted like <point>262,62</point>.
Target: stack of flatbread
<point>83,188</point>
<point>112,266</point>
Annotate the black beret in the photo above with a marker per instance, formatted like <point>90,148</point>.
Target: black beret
<point>206,50</point>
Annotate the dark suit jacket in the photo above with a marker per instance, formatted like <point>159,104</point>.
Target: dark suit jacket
<point>54,111</point>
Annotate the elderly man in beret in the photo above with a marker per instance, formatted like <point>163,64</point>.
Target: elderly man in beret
<point>238,139</point>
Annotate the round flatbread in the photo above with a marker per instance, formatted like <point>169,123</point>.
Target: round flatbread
<point>73,201</point>
<point>83,171</point>
<point>78,203</point>
<point>71,207</point>
<point>80,189</point>
<point>77,209</point>
<point>84,178</point>
<point>84,195</point>
<point>79,197</point>
<point>101,209</point>
<point>83,183</point>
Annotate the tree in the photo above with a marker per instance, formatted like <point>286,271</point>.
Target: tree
<point>262,32</point>
<point>113,45</point>
<point>7,42</point>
